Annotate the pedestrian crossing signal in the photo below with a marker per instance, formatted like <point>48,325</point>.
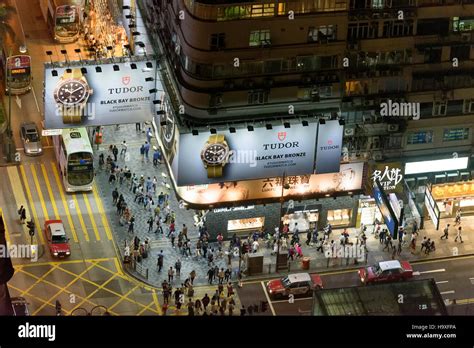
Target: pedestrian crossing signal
<point>31,228</point>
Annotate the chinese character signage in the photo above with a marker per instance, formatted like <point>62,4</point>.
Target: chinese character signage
<point>390,176</point>
<point>454,190</point>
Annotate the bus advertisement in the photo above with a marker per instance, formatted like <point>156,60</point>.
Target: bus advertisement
<point>74,155</point>
<point>18,74</point>
<point>66,23</point>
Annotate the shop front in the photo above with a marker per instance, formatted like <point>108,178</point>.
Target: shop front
<point>368,211</point>
<point>450,197</point>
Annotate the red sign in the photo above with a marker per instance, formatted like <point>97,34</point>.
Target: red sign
<point>18,65</point>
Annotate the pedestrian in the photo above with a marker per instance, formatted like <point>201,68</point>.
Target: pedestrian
<point>309,234</point>
<point>185,231</point>
<point>192,276</point>
<point>115,153</point>
<point>424,243</point>
<point>239,278</point>
<point>149,134</point>
<point>198,306</point>
<point>121,175</point>
<point>173,237</point>
<point>221,275</point>
<point>142,152</point>
<point>457,220</point>
<point>210,275</point>
<point>230,289</point>
<point>147,150</point>
<point>242,311</point>
<point>150,224</point>
<point>227,274</point>
<point>112,177</point>
<point>22,214</point>
<point>115,196</point>
<point>399,248</point>
<point>138,126</point>
<point>205,301</point>
<point>446,232</point>
<point>123,151</point>
<point>459,235</point>
<point>160,261</point>
<point>177,266</point>
<point>170,275</point>
<point>190,306</point>
<point>131,227</point>
<point>156,156</point>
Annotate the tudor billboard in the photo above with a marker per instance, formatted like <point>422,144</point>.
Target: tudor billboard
<point>83,96</point>
<point>245,155</point>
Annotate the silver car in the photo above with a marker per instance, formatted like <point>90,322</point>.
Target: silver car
<point>31,139</point>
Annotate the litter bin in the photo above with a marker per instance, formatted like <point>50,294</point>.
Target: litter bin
<point>305,263</point>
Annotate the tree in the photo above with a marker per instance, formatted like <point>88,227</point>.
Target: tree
<point>6,14</point>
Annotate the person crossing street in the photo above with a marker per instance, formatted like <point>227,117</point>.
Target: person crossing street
<point>459,235</point>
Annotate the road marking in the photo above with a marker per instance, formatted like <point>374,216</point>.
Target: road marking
<point>442,282</point>
<point>268,299</point>
<point>447,292</point>
<point>105,221</point>
<point>157,303</point>
<point>36,100</point>
<point>91,216</point>
<point>430,271</point>
<point>50,191</point>
<point>7,235</point>
<point>40,193</point>
<point>65,204</point>
<point>295,299</point>
<point>79,215</point>
<point>465,301</point>
<point>32,206</point>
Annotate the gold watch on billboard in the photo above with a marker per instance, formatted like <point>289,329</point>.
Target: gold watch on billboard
<point>71,95</point>
<point>215,155</point>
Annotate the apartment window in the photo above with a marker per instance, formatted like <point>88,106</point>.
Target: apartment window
<point>461,52</point>
<point>377,4</point>
<point>258,97</point>
<point>468,106</point>
<point>440,108</point>
<point>432,26</point>
<point>263,10</point>
<point>397,28</point>
<point>433,55</point>
<point>421,137</point>
<point>259,37</point>
<point>272,66</point>
<point>305,63</point>
<point>362,30</point>
<point>328,62</point>
<point>217,41</point>
<point>455,134</point>
<point>322,33</point>
<point>463,23</point>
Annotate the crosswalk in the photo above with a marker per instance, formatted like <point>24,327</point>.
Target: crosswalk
<point>38,187</point>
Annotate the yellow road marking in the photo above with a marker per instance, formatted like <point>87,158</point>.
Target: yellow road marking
<point>7,235</point>
<point>126,297</point>
<point>157,303</point>
<point>65,287</point>
<point>94,292</point>
<point>50,191</point>
<point>465,301</point>
<point>79,215</point>
<point>268,298</point>
<point>62,262</point>
<point>32,206</point>
<point>65,204</point>
<point>40,193</point>
<point>105,221</point>
<point>91,216</point>
<point>40,279</point>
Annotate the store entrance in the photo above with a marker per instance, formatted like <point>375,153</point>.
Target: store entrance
<point>304,217</point>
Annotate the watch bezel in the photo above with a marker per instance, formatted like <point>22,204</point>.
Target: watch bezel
<point>83,83</point>
<point>223,161</point>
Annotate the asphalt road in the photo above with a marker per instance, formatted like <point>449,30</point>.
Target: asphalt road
<point>454,278</point>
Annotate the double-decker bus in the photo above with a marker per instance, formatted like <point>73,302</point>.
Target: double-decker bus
<point>15,71</point>
<point>64,18</point>
<point>75,159</point>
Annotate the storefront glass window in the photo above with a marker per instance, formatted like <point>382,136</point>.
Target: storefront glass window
<point>421,137</point>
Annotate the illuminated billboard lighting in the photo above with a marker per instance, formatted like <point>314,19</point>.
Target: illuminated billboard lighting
<point>436,165</point>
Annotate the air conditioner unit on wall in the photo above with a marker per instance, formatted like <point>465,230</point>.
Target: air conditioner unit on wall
<point>348,132</point>
<point>377,155</point>
<point>393,127</point>
<point>367,119</point>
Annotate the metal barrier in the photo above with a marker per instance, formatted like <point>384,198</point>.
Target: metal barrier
<point>143,271</point>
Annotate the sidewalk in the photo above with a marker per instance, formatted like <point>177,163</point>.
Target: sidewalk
<point>318,261</point>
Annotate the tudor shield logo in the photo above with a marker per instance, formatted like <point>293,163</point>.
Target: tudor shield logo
<point>281,136</point>
<point>126,80</point>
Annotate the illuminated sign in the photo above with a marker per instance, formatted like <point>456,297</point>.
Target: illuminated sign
<point>432,207</point>
<point>436,165</point>
<point>390,176</point>
<point>454,190</point>
<point>18,65</point>
<point>329,147</point>
<point>391,221</point>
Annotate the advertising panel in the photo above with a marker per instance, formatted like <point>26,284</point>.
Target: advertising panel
<point>66,14</point>
<point>388,215</point>
<point>453,190</point>
<point>432,207</point>
<point>390,176</point>
<point>246,155</point>
<point>118,94</point>
<point>18,66</point>
<point>349,178</point>
<point>329,147</point>
<point>436,165</point>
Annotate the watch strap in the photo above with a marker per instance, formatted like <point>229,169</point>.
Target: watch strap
<point>74,114</point>
<point>214,171</point>
<point>216,139</point>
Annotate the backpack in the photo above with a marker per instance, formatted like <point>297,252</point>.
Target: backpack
<point>142,150</point>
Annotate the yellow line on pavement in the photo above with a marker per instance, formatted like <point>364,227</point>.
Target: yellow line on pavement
<point>40,193</point>
<point>65,204</point>
<point>157,303</point>
<point>79,215</point>
<point>268,299</point>
<point>40,279</point>
<point>465,301</point>
<point>105,221</point>
<point>91,216</point>
<point>50,191</point>
<point>62,262</point>
<point>32,205</point>
<point>415,262</point>
<point>7,235</point>
<point>65,287</point>
<point>126,297</point>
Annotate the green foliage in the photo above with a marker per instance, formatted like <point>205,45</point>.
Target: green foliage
<point>6,14</point>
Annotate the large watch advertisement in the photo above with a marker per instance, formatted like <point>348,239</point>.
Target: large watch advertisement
<point>329,147</point>
<point>349,178</point>
<point>245,155</point>
<point>99,95</point>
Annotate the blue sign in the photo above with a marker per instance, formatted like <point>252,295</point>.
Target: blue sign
<point>387,213</point>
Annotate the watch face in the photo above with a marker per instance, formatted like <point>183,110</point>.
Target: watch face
<point>71,92</point>
<point>215,154</point>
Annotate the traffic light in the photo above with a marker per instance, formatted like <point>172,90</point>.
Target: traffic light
<point>263,306</point>
<point>31,227</point>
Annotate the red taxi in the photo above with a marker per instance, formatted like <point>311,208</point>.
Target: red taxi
<point>386,271</point>
<point>58,242</point>
<point>296,284</point>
